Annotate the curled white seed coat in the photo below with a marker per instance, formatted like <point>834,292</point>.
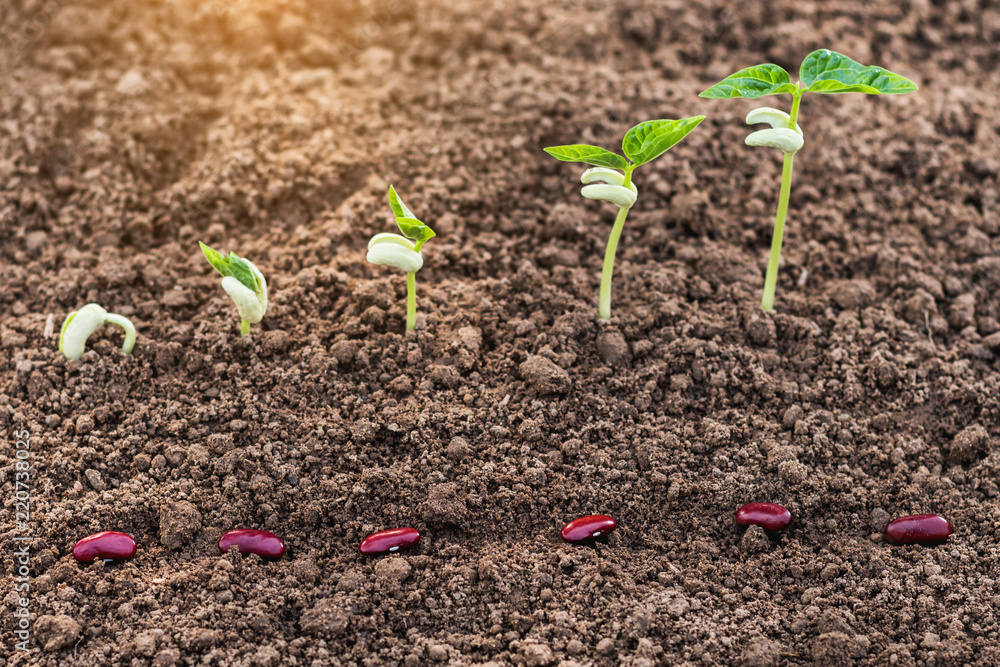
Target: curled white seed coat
<point>78,328</point>
<point>616,194</point>
<point>788,141</point>
<point>395,255</point>
<point>80,324</point>
<point>603,175</point>
<point>776,118</point>
<point>387,237</point>
<point>249,305</point>
<point>609,176</point>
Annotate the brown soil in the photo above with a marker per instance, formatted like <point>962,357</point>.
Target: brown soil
<point>131,130</point>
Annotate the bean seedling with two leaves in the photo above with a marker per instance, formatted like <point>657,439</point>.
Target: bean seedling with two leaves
<point>402,252</point>
<point>610,178</point>
<point>822,71</point>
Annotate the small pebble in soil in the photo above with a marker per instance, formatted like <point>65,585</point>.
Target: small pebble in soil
<point>108,545</point>
<point>768,516</point>
<point>918,529</point>
<point>251,541</point>
<point>389,541</point>
<point>588,528</point>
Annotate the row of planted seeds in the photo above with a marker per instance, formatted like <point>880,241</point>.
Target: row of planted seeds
<point>109,545</point>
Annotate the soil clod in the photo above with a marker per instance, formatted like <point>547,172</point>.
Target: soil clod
<point>544,376</point>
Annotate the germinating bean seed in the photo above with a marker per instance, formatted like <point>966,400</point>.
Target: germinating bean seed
<point>588,528</point>
<point>389,541</point>
<point>768,516</point>
<point>250,541</point>
<point>918,529</point>
<point>108,545</point>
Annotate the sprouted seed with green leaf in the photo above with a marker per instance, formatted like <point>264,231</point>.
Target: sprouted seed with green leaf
<point>610,178</point>
<point>822,71</point>
<point>80,324</point>
<point>243,282</point>
<point>402,252</point>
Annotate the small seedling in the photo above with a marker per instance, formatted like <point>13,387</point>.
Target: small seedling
<point>610,178</point>
<point>822,71</point>
<point>402,252</point>
<point>243,282</point>
<point>81,323</point>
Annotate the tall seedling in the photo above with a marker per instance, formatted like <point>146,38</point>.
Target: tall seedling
<point>822,71</point>
<point>610,179</point>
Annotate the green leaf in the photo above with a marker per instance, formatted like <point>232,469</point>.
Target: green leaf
<point>398,207</point>
<point>240,269</point>
<point>594,155</point>
<point>647,141</point>
<point>826,71</point>
<point>214,258</point>
<point>233,265</point>
<point>415,230</point>
<point>752,82</point>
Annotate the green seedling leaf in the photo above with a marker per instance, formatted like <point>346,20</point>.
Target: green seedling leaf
<point>752,82</point>
<point>826,71</point>
<point>240,269</point>
<point>398,207</point>
<point>214,258</point>
<point>415,230</point>
<point>593,155</point>
<point>233,265</point>
<point>647,141</point>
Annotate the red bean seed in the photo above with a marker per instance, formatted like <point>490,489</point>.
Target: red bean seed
<point>108,545</point>
<point>588,528</point>
<point>389,541</point>
<point>918,529</point>
<point>250,541</point>
<point>768,516</point>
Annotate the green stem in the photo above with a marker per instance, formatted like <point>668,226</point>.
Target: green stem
<point>129,328</point>
<point>411,301</point>
<point>771,279</point>
<point>793,113</point>
<point>604,305</point>
<point>244,327</point>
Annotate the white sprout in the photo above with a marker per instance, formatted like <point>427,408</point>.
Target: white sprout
<point>80,324</point>
<point>250,304</point>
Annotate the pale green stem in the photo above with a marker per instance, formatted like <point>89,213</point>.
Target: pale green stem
<point>604,303</point>
<point>129,328</point>
<point>771,279</point>
<point>411,301</point>
<point>793,113</point>
<point>244,327</point>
